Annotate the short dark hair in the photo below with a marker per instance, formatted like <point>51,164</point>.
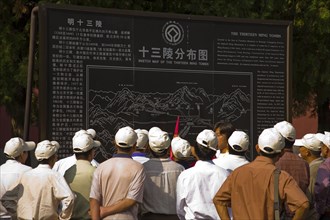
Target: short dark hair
<point>232,151</point>
<point>315,153</point>
<point>204,153</point>
<point>226,128</point>
<point>288,143</point>
<point>83,155</point>
<point>159,154</point>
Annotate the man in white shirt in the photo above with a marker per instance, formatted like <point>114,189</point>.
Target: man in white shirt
<point>44,193</point>
<point>238,145</point>
<point>64,164</point>
<point>16,150</point>
<point>197,185</point>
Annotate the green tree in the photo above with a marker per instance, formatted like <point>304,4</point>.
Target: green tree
<point>311,44</point>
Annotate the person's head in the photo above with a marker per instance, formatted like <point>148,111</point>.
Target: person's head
<point>311,147</point>
<point>206,145</point>
<point>17,149</point>
<point>46,152</point>
<point>125,140</point>
<point>325,139</point>
<point>287,130</point>
<point>142,141</point>
<point>270,143</point>
<point>181,148</point>
<point>159,142</point>
<point>223,131</point>
<point>84,146</point>
<point>238,143</point>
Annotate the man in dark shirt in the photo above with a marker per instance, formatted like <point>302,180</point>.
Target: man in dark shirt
<point>290,162</point>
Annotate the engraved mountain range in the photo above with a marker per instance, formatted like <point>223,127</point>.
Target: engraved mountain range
<point>109,111</point>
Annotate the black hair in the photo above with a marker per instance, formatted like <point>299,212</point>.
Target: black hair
<point>288,143</point>
<point>83,155</point>
<point>159,154</point>
<point>226,128</point>
<point>232,151</point>
<point>204,153</point>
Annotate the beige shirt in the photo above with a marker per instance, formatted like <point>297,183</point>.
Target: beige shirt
<point>249,190</point>
<point>44,195</point>
<point>118,178</point>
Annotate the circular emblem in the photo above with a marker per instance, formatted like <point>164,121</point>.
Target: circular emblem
<point>173,33</point>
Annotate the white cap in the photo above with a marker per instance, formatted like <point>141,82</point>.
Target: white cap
<point>90,132</point>
<point>180,147</point>
<point>298,143</point>
<point>270,141</point>
<point>207,138</point>
<point>126,137</point>
<point>15,146</point>
<point>286,130</point>
<point>320,137</point>
<point>239,138</point>
<point>311,142</point>
<point>159,140</point>
<point>154,129</point>
<point>45,149</point>
<point>142,138</point>
<point>327,139</point>
<point>83,143</point>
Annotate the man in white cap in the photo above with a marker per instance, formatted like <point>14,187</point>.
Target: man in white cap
<point>249,189</point>
<point>311,152</point>
<point>80,175</point>
<point>291,162</point>
<point>64,164</point>
<point>322,182</point>
<point>16,151</point>
<point>44,193</point>
<point>238,145</point>
<point>161,176</point>
<point>141,146</point>
<point>181,150</point>
<point>197,185</point>
<point>117,186</point>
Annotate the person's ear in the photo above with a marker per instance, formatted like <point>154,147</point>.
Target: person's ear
<point>193,152</point>
<point>257,148</point>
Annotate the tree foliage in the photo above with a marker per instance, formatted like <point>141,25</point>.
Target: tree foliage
<point>311,42</point>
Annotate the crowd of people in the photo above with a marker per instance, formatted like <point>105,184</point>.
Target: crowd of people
<point>154,177</point>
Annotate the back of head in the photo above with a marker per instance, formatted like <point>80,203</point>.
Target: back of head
<point>45,149</point>
<point>271,142</point>
<point>84,142</point>
<point>159,141</point>
<point>15,146</point>
<point>207,143</point>
<point>180,147</point>
<point>126,137</point>
<point>312,143</point>
<point>142,139</point>
<point>239,141</point>
<point>287,130</point>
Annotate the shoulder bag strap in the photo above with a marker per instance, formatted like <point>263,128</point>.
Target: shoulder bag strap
<point>276,195</point>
